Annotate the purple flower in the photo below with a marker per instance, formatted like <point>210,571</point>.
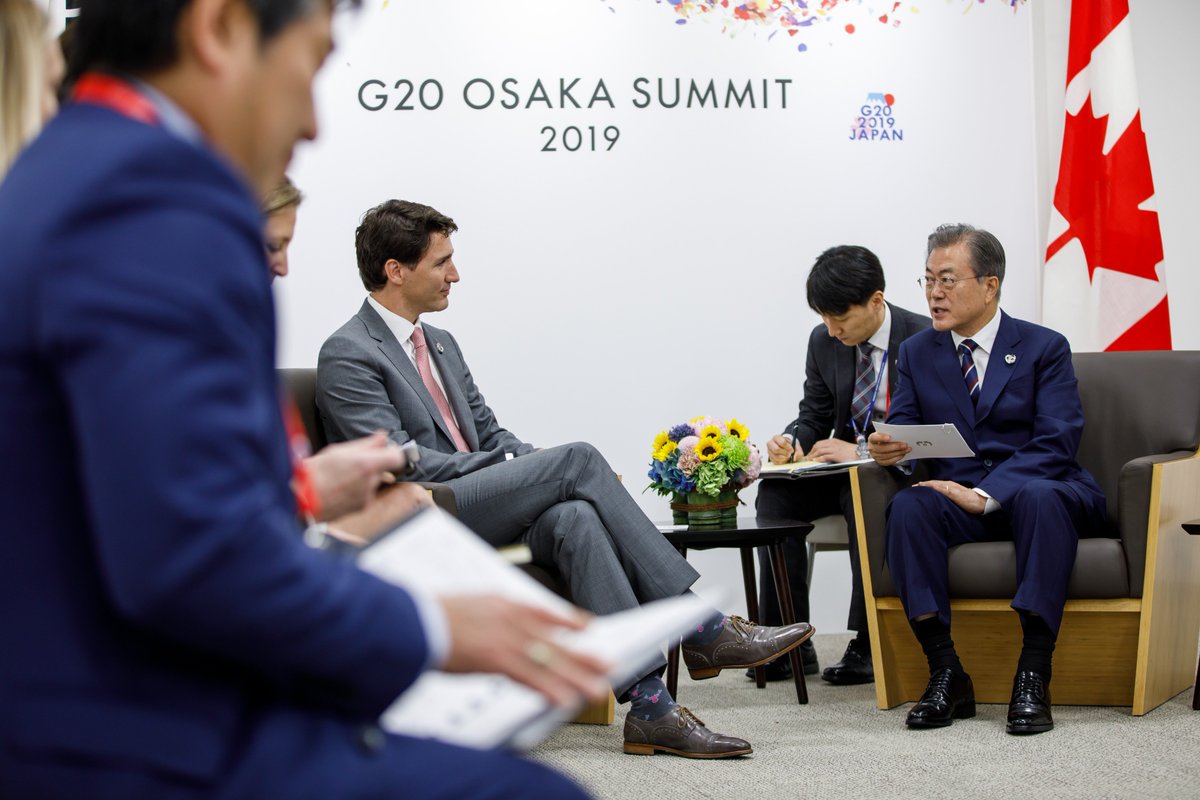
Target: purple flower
<point>679,431</point>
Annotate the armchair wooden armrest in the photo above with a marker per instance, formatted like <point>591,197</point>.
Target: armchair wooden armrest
<point>873,487</point>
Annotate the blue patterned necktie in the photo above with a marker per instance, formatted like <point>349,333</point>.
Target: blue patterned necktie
<point>864,383</point>
<point>970,374</point>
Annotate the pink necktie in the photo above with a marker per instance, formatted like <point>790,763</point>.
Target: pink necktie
<point>435,391</point>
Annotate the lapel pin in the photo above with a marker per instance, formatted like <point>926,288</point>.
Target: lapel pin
<point>438,345</point>
<point>1008,359</point>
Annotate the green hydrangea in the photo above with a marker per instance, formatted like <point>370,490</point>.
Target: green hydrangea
<point>735,452</point>
<point>711,477</point>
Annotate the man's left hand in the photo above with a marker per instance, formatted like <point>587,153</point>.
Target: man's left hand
<point>833,450</point>
<point>968,500</point>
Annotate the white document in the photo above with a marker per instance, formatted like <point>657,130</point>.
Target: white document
<point>928,441</point>
<point>438,555</point>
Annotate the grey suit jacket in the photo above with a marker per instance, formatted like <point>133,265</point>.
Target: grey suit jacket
<point>829,379</point>
<point>366,382</point>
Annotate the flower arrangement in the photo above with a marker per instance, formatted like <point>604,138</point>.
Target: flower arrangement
<point>705,456</point>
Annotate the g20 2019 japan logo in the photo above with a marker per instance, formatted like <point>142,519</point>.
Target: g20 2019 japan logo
<point>876,120</point>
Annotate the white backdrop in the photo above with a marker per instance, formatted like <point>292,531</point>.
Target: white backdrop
<point>608,294</point>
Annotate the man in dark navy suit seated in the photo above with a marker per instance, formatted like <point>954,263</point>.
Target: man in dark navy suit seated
<point>1009,388</point>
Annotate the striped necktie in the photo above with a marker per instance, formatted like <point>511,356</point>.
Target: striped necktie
<point>970,374</point>
<point>864,383</point>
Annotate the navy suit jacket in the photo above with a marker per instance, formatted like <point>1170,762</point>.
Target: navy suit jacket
<point>1028,420</point>
<point>829,379</point>
<point>158,614</point>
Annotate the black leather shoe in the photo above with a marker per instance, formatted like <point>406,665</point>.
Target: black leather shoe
<point>780,669</point>
<point>949,696</point>
<point>1029,708</point>
<point>853,668</point>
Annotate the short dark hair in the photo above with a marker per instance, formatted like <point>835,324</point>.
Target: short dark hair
<point>395,229</point>
<point>137,37</point>
<point>987,254</point>
<point>844,276</point>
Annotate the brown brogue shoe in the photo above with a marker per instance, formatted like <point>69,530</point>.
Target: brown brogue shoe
<point>681,733</point>
<point>742,644</point>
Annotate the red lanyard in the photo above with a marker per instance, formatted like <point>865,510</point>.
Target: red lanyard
<point>116,94</point>
<point>307,501</point>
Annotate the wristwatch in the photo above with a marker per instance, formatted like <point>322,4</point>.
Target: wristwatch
<point>318,537</point>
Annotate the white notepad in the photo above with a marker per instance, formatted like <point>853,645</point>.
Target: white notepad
<point>928,441</point>
<point>437,554</point>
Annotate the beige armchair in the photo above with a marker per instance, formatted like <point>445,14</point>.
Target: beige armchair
<point>1129,632</point>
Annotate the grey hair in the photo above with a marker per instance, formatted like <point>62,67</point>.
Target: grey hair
<point>987,254</point>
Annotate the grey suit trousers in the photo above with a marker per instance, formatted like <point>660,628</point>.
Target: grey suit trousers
<point>568,506</point>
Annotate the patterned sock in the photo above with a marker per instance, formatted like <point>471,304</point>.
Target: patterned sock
<point>649,698</point>
<point>934,636</point>
<point>707,630</point>
<point>1038,646</point>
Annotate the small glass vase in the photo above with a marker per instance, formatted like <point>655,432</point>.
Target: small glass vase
<point>679,515</point>
<point>706,511</point>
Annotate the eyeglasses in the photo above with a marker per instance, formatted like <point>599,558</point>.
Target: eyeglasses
<point>947,282</point>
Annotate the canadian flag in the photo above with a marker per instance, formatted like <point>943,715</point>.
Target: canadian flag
<point>1104,286</point>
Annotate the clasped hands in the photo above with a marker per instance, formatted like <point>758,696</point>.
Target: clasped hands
<point>887,452</point>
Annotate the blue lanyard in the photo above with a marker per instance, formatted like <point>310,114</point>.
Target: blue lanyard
<point>874,397</point>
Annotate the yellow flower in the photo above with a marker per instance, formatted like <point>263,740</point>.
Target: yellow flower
<point>738,430</point>
<point>709,448</point>
<point>664,452</point>
<point>711,432</point>
<point>659,441</point>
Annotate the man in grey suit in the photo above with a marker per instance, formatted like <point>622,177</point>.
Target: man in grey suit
<point>387,370</point>
<point>847,386</point>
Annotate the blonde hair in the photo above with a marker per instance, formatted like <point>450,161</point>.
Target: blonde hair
<point>24,37</point>
<point>283,195</point>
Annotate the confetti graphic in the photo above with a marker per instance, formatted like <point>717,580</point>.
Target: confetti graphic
<point>794,18</point>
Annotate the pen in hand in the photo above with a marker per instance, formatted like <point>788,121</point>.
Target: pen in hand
<point>795,441</point>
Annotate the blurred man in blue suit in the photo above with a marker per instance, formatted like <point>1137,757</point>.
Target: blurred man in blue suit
<point>1009,388</point>
<point>165,634</point>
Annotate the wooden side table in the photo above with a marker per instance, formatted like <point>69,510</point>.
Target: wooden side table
<point>746,534</point>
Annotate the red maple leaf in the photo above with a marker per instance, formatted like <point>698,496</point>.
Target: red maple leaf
<point>1099,196</point>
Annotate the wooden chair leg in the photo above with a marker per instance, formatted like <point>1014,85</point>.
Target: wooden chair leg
<point>760,672</point>
<point>788,613</point>
<point>1196,690</point>
<point>674,648</point>
<point>673,667</point>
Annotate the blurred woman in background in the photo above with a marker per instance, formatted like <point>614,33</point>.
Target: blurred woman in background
<point>31,67</point>
<point>279,220</point>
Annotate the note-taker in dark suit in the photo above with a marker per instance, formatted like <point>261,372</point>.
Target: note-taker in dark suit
<point>850,375</point>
